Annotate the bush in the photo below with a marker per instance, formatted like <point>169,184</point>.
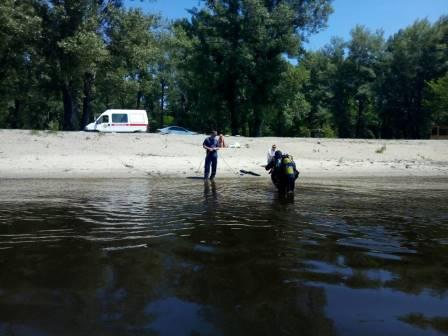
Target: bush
<point>304,132</point>
<point>53,126</point>
<point>328,132</point>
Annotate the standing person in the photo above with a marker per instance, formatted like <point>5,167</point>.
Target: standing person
<point>210,145</point>
<point>271,153</point>
<point>221,142</point>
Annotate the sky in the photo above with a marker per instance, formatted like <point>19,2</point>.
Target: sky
<point>389,15</point>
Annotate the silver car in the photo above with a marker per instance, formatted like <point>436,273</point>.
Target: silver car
<point>175,130</point>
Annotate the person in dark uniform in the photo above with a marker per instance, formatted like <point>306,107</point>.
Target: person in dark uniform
<point>211,147</point>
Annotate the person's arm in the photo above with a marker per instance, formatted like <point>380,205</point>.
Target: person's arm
<point>204,145</point>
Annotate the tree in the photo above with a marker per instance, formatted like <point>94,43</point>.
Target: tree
<point>239,48</point>
<point>437,100</point>
<point>227,68</point>
<point>20,28</point>
<point>291,109</point>
<point>317,90</point>
<point>339,97</point>
<point>126,77</point>
<point>415,56</point>
<point>75,48</point>
<point>365,53</point>
<point>90,51</point>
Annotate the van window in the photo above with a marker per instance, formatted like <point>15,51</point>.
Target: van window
<point>104,119</point>
<point>119,118</point>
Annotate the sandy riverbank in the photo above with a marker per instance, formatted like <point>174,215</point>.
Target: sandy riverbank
<point>30,154</point>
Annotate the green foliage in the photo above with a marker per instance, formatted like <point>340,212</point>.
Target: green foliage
<point>303,132</point>
<point>20,31</point>
<point>236,60</point>
<point>53,126</point>
<point>437,100</point>
<point>226,68</point>
<point>168,120</point>
<point>328,132</point>
<point>414,56</point>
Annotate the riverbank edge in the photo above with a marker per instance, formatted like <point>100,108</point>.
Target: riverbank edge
<point>80,155</point>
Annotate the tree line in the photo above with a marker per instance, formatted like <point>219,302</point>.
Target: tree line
<point>238,66</point>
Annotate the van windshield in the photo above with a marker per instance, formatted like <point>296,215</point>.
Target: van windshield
<point>103,119</point>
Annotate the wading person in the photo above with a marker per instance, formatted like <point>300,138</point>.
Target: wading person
<point>283,172</point>
<point>275,168</point>
<point>290,171</point>
<point>211,155</point>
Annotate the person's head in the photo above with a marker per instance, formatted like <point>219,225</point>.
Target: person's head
<point>213,134</point>
<point>278,154</point>
<point>274,147</point>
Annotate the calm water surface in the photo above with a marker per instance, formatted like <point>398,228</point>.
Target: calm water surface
<point>158,257</point>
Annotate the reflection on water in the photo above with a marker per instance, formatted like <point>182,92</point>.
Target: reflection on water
<point>184,257</point>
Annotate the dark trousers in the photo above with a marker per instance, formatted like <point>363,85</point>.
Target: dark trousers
<point>210,160</point>
<point>291,182</point>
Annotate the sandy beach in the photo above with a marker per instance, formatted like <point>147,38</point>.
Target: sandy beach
<point>42,154</point>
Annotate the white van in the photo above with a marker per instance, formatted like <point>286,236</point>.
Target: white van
<point>120,121</point>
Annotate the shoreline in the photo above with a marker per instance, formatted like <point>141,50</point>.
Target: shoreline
<point>42,154</point>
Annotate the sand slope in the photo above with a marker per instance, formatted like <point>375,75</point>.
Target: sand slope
<point>30,154</point>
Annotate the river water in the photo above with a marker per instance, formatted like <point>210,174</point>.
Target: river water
<point>180,257</point>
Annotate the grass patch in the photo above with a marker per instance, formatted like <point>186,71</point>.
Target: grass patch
<point>381,150</point>
<point>35,132</point>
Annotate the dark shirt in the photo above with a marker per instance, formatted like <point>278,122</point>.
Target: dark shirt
<point>212,143</point>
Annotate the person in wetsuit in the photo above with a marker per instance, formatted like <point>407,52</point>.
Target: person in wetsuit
<point>283,172</point>
<point>290,172</point>
<point>274,167</point>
